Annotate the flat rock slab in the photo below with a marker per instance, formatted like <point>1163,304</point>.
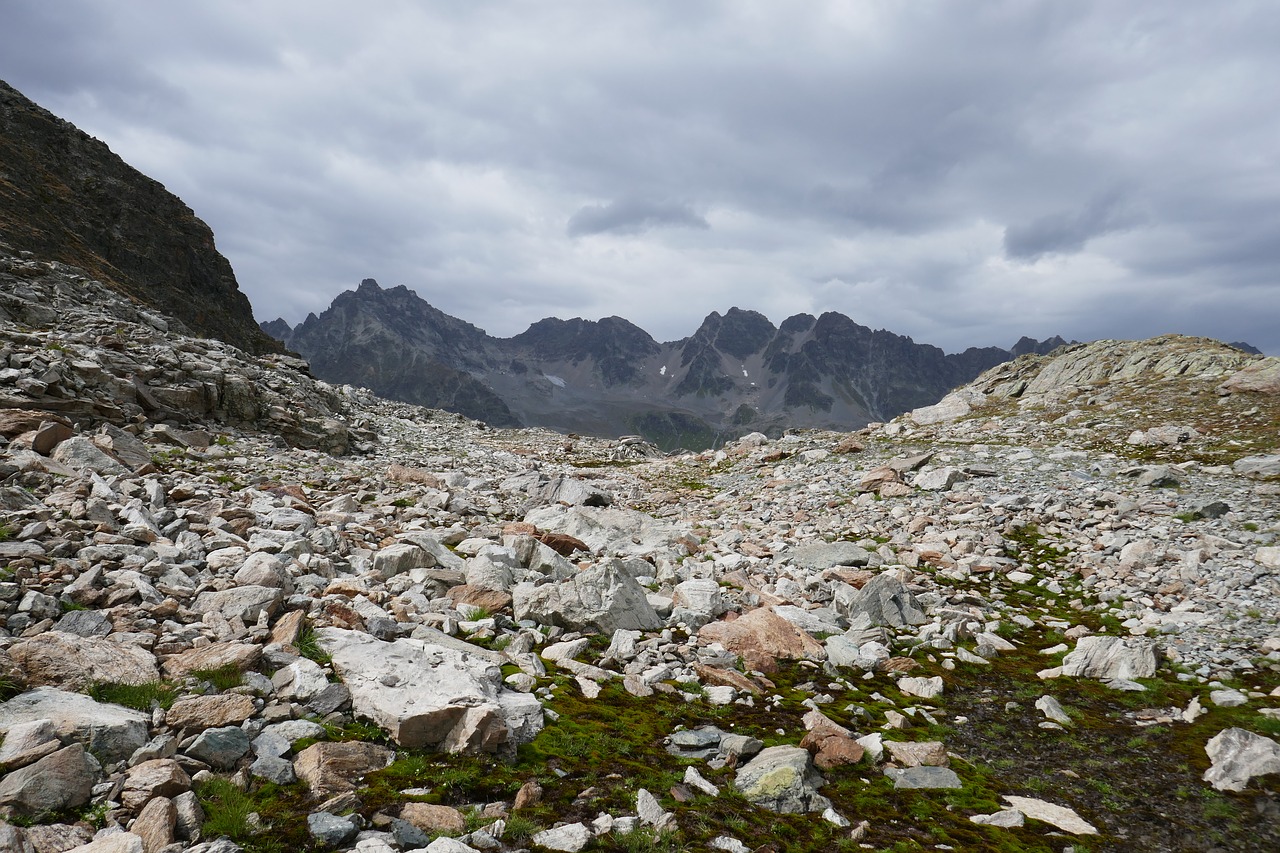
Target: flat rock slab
<point>1062,817</point>
<point>68,660</point>
<point>426,695</point>
<point>205,712</point>
<point>926,777</point>
<point>110,732</point>
<point>570,838</point>
<point>1237,755</point>
<point>824,555</point>
<point>243,656</point>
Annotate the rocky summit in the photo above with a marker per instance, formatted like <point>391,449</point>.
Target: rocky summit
<point>737,373</point>
<point>242,609</point>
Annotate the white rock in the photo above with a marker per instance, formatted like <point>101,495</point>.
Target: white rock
<point>1062,817</point>
<point>1237,755</point>
<point>569,838</point>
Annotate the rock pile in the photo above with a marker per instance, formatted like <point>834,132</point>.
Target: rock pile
<point>239,607</point>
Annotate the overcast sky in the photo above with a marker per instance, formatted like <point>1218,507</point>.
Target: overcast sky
<point>961,172</point>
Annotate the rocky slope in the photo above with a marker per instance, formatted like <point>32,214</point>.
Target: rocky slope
<point>737,373</point>
<point>1038,616</point>
<point>65,196</point>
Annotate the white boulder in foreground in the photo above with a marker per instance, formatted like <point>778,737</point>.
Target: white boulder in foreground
<point>426,695</point>
<point>1237,755</point>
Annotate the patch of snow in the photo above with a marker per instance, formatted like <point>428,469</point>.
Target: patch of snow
<point>744,372</point>
<point>554,380</point>
<point>662,371</point>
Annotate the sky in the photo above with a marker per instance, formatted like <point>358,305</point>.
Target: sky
<point>965,173</point>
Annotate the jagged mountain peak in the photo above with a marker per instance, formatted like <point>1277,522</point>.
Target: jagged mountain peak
<point>736,373</point>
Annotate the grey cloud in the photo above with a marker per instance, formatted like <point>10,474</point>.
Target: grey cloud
<point>1067,232</point>
<point>632,216</point>
<point>914,148</point>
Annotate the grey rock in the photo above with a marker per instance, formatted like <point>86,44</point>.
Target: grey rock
<point>84,623</point>
<point>824,555</point>
<point>25,743</point>
<point>273,768</point>
<point>108,731</point>
<point>63,780</point>
<point>939,479</point>
<point>1110,658</point>
<point>601,598</point>
<point>1237,755</point>
<point>246,603</point>
<point>782,779</point>
<point>330,830</point>
<point>1264,467</point>
<point>883,601</point>
<point>570,838</point>
<point>926,776</point>
<point>14,840</point>
<point>221,747</point>
<point>427,695</point>
<point>81,454</point>
<point>1062,817</point>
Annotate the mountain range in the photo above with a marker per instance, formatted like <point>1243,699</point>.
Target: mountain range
<point>737,373</point>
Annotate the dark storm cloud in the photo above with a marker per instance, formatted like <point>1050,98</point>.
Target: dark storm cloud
<point>1066,232</point>
<point>632,216</point>
<point>963,173</point>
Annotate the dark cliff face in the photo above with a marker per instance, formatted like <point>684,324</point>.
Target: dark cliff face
<point>64,196</point>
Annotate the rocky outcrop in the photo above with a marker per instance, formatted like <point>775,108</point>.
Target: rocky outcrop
<point>64,196</point>
<point>81,354</point>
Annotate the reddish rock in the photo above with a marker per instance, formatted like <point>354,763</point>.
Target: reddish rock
<point>492,600</point>
<point>763,638</point>
<point>432,818</point>
<point>243,656</point>
<point>208,712</point>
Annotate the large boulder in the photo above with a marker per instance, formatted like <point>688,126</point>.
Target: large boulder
<point>763,637</point>
<point>68,660</point>
<point>1237,755</point>
<point>884,600</point>
<point>108,731</point>
<point>602,598</point>
<point>1110,658</point>
<point>55,783</point>
<point>782,779</point>
<point>431,696</point>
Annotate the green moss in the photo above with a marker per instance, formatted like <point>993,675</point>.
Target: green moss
<point>223,678</point>
<point>140,697</point>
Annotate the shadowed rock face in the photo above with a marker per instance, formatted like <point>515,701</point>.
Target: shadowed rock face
<point>737,373</point>
<point>64,196</point>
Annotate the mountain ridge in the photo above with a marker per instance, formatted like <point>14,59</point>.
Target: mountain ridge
<point>736,373</point>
